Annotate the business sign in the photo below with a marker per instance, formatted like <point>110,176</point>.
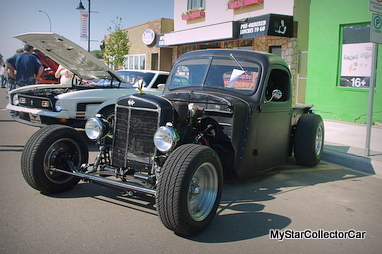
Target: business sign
<point>270,24</point>
<point>357,59</point>
<point>376,28</point>
<point>84,26</point>
<point>375,6</point>
<point>148,37</point>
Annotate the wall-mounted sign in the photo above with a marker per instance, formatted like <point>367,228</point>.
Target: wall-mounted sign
<point>270,24</point>
<point>148,37</point>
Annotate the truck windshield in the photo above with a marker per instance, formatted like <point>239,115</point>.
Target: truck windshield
<point>230,73</point>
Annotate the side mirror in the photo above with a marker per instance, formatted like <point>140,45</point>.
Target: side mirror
<point>161,87</point>
<point>276,95</point>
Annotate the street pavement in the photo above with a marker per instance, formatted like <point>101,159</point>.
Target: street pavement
<point>345,145</point>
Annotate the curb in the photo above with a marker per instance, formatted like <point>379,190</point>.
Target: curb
<point>355,162</point>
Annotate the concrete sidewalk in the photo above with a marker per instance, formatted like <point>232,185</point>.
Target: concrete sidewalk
<point>345,145</point>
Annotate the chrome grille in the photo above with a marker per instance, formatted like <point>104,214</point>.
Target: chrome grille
<point>133,136</point>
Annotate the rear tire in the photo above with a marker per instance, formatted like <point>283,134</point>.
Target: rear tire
<point>189,189</point>
<point>309,140</point>
<point>52,147</point>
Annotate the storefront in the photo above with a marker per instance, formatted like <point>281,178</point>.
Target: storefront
<point>271,33</point>
<point>340,61</point>
<point>263,33</point>
<point>143,53</point>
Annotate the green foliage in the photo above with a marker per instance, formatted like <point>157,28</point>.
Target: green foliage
<point>97,53</point>
<point>116,45</point>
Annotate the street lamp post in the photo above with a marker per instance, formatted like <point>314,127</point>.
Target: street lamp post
<point>50,23</point>
<point>81,8</point>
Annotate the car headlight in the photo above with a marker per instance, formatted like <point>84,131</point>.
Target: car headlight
<point>165,138</point>
<point>15,100</point>
<point>96,128</point>
<point>57,106</point>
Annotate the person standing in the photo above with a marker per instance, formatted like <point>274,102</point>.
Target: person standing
<point>2,76</point>
<point>64,75</point>
<point>24,67</point>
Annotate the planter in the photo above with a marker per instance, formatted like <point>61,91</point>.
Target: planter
<point>250,2</point>
<point>194,15</point>
<point>235,5</point>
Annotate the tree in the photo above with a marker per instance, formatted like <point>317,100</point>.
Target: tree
<point>97,53</point>
<point>116,45</point>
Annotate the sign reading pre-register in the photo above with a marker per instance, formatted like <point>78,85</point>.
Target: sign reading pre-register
<point>376,28</point>
<point>375,6</point>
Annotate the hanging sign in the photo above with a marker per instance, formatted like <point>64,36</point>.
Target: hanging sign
<point>84,26</point>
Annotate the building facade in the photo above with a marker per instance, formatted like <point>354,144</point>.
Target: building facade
<point>143,53</point>
<point>340,61</point>
<point>275,26</point>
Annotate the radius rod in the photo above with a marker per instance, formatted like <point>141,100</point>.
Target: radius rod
<point>108,182</point>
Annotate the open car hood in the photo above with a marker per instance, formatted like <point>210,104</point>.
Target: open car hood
<point>70,55</point>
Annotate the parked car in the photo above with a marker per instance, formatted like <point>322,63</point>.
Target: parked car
<point>94,89</point>
<point>50,68</point>
<point>223,112</point>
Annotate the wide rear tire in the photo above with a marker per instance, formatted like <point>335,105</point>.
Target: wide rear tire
<point>53,147</point>
<point>309,140</point>
<point>189,189</point>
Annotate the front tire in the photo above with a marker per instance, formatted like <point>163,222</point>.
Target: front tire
<point>309,140</point>
<point>189,189</point>
<point>53,147</point>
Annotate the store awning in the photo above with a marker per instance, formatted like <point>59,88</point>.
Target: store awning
<point>215,32</point>
<point>269,24</point>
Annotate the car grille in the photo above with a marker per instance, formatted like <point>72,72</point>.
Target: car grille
<point>36,102</point>
<point>133,136</point>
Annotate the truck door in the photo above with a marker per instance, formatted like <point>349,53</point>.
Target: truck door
<point>273,126</point>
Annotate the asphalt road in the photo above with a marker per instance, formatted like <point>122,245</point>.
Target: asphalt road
<point>95,219</point>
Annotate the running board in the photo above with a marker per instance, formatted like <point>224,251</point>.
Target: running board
<point>108,182</point>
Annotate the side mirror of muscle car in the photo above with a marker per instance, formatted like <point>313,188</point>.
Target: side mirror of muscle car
<point>161,87</point>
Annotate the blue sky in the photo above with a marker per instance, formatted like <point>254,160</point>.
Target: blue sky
<point>22,16</point>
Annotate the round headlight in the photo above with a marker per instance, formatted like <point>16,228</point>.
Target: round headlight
<point>57,106</point>
<point>165,138</point>
<point>96,128</point>
<point>15,99</point>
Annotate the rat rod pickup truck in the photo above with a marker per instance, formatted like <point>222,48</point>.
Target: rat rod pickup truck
<point>222,113</point>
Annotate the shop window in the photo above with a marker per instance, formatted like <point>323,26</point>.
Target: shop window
<point>356,58</point>
<point>135,62</point>
<point>196,4</point>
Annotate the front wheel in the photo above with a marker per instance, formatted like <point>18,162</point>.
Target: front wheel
<point>54,146</point>
<point>189,189</point>
<point>309,140</point>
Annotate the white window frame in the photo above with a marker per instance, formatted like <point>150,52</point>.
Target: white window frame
<point>135,62</point>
